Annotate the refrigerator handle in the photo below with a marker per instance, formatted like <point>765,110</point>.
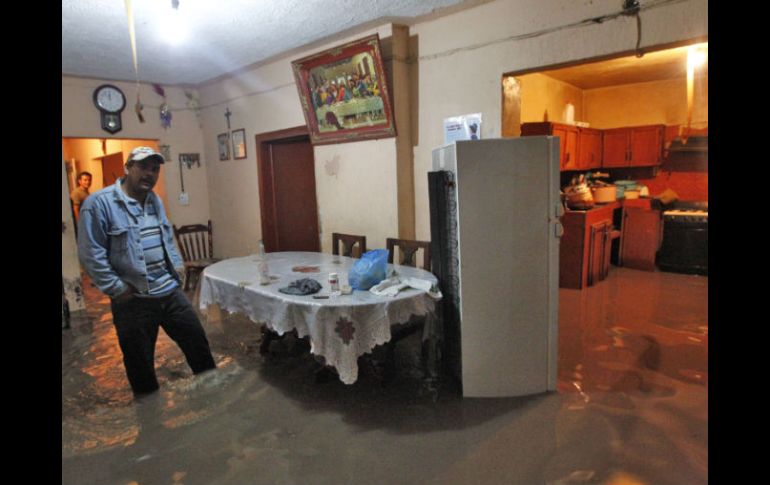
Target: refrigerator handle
<point>558,229</point>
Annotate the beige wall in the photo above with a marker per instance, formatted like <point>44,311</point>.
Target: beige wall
<point>540,93</point>
<point>463,56</point>
<point>265,99</point>
<point>647,103</point>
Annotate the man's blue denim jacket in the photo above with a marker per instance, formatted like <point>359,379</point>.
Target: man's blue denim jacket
<point>109,241</point>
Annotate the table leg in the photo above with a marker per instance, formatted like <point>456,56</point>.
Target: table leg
<point>431,358</point>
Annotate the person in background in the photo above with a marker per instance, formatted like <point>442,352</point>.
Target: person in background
<point>126,246</point>
<point>79,194</point>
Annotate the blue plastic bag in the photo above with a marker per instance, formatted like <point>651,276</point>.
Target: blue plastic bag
<point>369,270</point>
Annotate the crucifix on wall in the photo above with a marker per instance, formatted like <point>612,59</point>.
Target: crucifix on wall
<point>227,115</point>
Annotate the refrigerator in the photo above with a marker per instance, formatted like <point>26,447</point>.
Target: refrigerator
<point>494,216</point>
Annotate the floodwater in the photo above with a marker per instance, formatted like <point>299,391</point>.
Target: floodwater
<point>631,406</point>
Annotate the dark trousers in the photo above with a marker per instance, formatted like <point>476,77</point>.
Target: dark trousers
<point>137,322</point>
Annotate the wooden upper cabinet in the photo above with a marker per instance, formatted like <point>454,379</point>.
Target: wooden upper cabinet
<point>589,150</point>
<point>615,148</point>
<point>568,137</point>
<point>635,146</point>
<point>646,145</point>
<point>568,140</point>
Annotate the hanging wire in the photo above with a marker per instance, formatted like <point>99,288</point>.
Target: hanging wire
<point>132,35</point>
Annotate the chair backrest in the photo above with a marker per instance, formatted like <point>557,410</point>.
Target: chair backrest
<point>407,249</point>
<point>195,241</point>
<point>348,241</point>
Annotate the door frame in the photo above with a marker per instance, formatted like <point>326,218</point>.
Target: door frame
<point>267,204</point>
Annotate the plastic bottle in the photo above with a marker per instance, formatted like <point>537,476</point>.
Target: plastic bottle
<point>334,284</point>
<point>264,273</point>
<point>569,114</point>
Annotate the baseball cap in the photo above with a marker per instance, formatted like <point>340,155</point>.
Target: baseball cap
<point>140,153</point>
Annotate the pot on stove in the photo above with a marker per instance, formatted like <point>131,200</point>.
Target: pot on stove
<point>604,194</point>
<point>579,197</point>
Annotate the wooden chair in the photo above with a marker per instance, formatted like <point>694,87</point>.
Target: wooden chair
<point>407,249</point>
<point>348,242</point>
<point>197,247</point>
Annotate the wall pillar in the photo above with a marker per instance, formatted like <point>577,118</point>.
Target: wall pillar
<point>404,153</point>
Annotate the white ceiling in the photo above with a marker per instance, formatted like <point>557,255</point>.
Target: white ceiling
<point>226,35</point>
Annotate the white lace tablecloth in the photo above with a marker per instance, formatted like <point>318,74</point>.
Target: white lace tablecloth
<point>340,328</point>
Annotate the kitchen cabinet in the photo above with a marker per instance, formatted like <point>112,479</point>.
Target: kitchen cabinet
<point>636,146</point>
<point>586,245</point>
<point>641,234</point>
<point>568,140</point>
<point>589,149</point>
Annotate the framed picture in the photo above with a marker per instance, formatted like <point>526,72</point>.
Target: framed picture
<point>344,93</point>
<point>239,144</point>
<point>223,141</point>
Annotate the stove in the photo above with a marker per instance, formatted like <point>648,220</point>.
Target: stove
<point>686,215</point>
<point>684,248</point>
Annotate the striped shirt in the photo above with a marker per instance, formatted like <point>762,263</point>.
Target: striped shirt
<point>159,276</point>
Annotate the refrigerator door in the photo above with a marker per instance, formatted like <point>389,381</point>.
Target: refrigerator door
<point>507,219</point>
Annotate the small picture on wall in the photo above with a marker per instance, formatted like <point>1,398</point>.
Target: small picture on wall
<point>223,140</point>
<point>239,144</point>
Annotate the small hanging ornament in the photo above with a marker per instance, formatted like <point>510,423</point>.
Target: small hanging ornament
<point>165,111</point>
<point>193,104</point>
<point>165,115</point>
<point>138,107</point>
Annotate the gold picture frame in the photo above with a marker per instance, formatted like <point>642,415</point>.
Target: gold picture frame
<point>344,93</point>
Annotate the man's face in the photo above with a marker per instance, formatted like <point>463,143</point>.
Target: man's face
<point>84,181</point>
<point>143,175</point>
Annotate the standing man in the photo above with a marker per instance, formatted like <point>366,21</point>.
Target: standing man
<point>79,193</point>
<point>127,248</point>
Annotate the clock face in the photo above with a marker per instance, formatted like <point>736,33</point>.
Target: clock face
<point>109,98</point>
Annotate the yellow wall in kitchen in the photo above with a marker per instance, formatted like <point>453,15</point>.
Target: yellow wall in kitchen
<point>656,102</point>
<point>540,93</point>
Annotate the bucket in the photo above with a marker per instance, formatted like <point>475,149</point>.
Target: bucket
<point>631,194</point>
<point>623,185</point>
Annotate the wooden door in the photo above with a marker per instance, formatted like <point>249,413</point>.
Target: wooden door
<point>646,145</point>
<point>640,238</point>
<point>598,252</point>
<point>112,168</point>
<point>615,148</point>
<point>287,191</point>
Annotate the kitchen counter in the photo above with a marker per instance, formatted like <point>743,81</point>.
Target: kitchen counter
<point>591,239</point>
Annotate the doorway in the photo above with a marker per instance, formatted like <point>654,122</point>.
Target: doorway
<point>287,191</point>
<point>103,159</point>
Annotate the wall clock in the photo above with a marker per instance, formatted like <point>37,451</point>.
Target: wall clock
<point>110,101</point>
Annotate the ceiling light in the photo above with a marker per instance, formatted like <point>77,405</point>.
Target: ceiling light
<point>174,24</point>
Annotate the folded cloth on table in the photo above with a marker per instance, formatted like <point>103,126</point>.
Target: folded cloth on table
<point>394,284</point>
<point>305,286</point>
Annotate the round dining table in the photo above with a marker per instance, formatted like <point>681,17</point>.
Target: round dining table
<point>340,327</point>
